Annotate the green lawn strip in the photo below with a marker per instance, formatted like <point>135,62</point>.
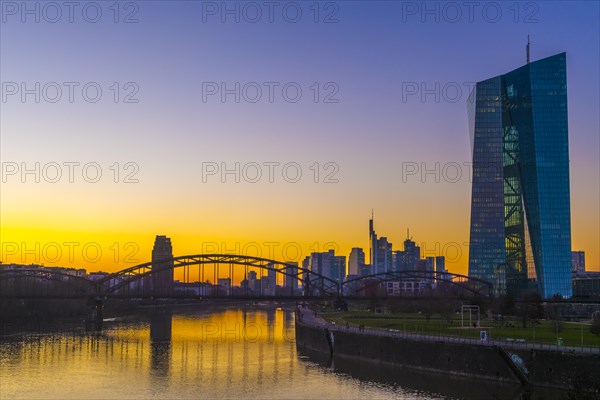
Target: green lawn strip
<point>542,332</point>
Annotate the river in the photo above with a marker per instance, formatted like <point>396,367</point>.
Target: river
<point>214,351</point>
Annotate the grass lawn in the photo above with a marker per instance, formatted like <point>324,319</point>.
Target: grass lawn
<point>540,332</point>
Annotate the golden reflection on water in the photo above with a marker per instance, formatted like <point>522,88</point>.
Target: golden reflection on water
<point>225,354</point>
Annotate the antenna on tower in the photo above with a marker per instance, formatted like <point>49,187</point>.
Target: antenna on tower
<point>527,49</point>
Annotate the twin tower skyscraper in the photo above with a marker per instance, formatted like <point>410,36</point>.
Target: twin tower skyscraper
<point>520,238</point>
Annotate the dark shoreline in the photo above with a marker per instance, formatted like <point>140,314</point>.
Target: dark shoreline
<point>555,372</point>
<point>120,310</point>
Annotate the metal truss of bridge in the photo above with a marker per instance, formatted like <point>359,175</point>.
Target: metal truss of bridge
<point>43,283</point>
<point>214,275</point>
<point>202,275</point>
<point>414,282</point>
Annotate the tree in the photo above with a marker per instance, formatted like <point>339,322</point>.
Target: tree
<point>525,309</point>
<point>537,307</point>
<point>531,308</point>
<point>507,305</point>
<point>595,326</point>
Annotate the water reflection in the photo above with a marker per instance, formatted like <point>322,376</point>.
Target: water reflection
<point>161,327</point>
<point>228,352</point>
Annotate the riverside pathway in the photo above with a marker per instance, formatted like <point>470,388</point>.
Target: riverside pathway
<point>309,317</point>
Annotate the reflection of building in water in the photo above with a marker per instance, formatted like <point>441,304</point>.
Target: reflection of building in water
<point>160,358</point>
<point>161,326</point>
<point>193,348</point>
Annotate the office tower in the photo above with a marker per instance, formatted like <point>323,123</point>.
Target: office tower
<point>520,206</point>
<point>384,255</point>
<point>381,252</point>
<point>162,254</point>
<point>407,260</point>
<point>440,269</point>
<point>430,264</point>
<point>372,247</point>
<point>291,282</point>
<point>328,265</point>
<point>356,261</point>
<point>397,260</point>
<point>269,282</point>
<point>254,283</point>
<point>440,264</point>
<point>578,261</point>
<point>337,268</point>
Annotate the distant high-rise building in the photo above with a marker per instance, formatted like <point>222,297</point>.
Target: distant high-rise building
<point>356,261</point>
<point>578,261</point>
<point>338,268</point>
<point>381,252</point>
<point>430,264</point>
<point>254,282</point>
<point>269,282</point>
<point>520,203</point>
<point>407,260</point>
<point>384,255</point>
<point>162,255</point>
<point>224,286</point>
<point>291,282</point>
<point>251,277</point>
<point>328,265</point>
<point>397,260</point>
<point>372,246</point>
<point>440,264</point>
<point>366,270</point>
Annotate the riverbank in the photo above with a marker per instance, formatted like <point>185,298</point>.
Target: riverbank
<point>522,364</point>
<point>508,329</point>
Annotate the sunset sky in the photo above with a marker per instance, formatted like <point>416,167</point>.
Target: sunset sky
<point>371,137</point>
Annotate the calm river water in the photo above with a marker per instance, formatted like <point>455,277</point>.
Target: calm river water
<point>218,351</point>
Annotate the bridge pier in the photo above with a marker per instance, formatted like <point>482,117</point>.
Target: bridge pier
<point>95,315</point>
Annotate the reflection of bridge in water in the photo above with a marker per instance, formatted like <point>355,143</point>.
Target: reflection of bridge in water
<point>220,354</point>
<point>164,349</point>
<point>215,275</point>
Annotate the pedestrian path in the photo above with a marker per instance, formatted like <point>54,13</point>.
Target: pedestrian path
<point>311,317</point>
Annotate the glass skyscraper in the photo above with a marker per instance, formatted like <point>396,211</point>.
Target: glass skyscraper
<point>520,202</point>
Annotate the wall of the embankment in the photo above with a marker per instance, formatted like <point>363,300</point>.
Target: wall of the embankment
<point>545,368</point>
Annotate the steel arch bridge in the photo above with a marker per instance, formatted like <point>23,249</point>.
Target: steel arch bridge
<point>473,285</point>
<point>27,283</point>
<point>146,275</point>
<point>143,280</point>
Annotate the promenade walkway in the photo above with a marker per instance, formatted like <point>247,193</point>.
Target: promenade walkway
<point>310,317</point>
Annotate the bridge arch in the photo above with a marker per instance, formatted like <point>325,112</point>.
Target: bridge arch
<point>390,276</point>
<point>310,279</point>
<point>73,285</point>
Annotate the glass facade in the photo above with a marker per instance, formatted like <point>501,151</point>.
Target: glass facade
<point>520,202</point>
